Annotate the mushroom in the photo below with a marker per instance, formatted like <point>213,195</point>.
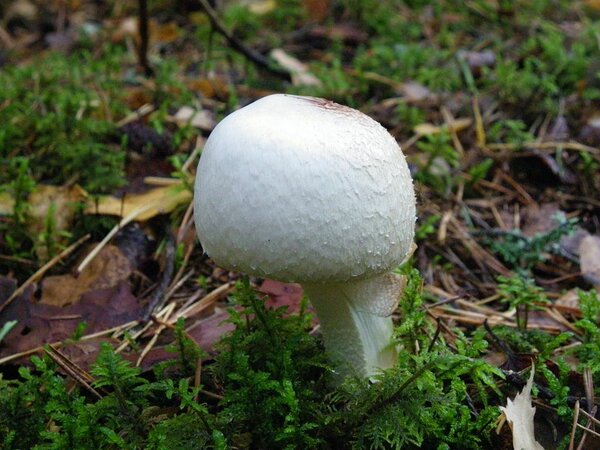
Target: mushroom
<point>306,190</point>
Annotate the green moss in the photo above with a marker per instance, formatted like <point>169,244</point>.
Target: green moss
<point>274,388</point>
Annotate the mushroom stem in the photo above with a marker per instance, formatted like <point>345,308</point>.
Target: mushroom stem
<point>356,322</point>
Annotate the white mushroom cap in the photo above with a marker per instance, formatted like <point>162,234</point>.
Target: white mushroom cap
<point>304,189</point>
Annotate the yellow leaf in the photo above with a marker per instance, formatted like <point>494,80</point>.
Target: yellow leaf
<point>160,200</point>
<point>261,7</point>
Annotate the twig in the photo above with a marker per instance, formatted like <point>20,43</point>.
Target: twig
<point>237,45</point>
<point>205,302</point>
<point>197,150</point>
<point>571,145</point>
<point>130,218</point>
<point>479,128</point>
<point>161,327</point>
<point>72,369</point>
<point>435,336</point>
<point>42,270</point>
<point>144,37</point>
<point>142,111</point>
<point>197,376</point>
<point>574,426</point>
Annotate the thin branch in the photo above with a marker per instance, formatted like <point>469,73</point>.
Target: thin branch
<point>240,47</point>
<point>144,37</point>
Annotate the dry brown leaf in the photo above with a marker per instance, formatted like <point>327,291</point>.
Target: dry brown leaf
<point>160,200</point>
<point>317,10</point>
<point>299,71</point>
<point>158,33</point>
<point>106,270</point>
<point>593,4</point>
<point>589,259</point>
<point>519,413</point>
<point>40,323</point>
<point>209,87</point>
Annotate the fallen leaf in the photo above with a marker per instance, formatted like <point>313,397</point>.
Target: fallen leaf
<point>590,132</point>
<point>539,219</point>
<point>519,413</point>
<point>299,71</point>
<point>260,7</point>
<point>413,92</point>
<point>571,242</point>
<point>456,125</point>
<point>59,202</point>
<point>65,201</point>
<point>209,87</point>
<point>159,33</point>
<point>160,200</point>
<point>38,323</point>
<point>589,259</point>
<point>106,270</point>
<point>569,299</point>
<point>344,32</point>
<point>317,10</point>
<point>282,294</point>
<point>164,33</point>
<point>202,119</point>
<point>592,4</point>
<point>208,331</point>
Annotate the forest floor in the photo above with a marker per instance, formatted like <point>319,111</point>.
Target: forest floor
<point>117,331</point>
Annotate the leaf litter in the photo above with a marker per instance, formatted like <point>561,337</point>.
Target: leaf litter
<point>517,197</point>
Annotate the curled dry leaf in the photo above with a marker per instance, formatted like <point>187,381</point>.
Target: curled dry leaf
<point>105,270</point>
<point>519,413</point>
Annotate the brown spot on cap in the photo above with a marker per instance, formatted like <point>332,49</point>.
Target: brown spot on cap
<point>331,106</point>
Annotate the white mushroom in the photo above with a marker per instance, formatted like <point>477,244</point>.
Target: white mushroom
<point>303,189</point>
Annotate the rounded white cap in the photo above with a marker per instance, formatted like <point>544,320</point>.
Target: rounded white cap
<point>304,189</point>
